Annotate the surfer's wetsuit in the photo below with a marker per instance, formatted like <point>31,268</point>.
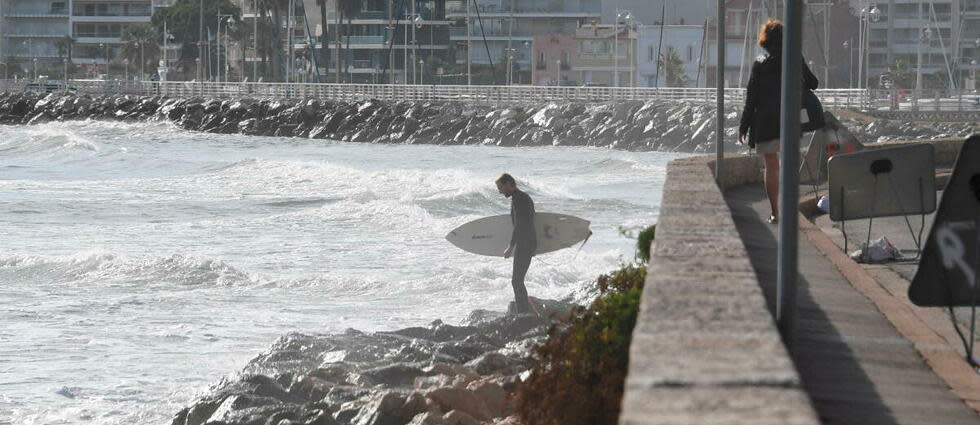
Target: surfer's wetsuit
<point>523,242</point>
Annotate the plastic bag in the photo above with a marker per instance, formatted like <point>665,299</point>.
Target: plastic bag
<point>824,204</point>
<point>880,250</point>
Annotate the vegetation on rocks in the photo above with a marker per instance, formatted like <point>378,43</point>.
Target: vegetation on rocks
<point>581,367</point>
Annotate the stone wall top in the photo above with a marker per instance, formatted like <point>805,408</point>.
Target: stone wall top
<point>705,348</point>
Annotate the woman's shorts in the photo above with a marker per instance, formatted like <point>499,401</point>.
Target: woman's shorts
<point>768,146</point>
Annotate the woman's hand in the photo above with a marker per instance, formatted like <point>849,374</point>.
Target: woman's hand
<point>741,138</point>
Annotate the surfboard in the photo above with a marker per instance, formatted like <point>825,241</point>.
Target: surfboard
<point>491,235</point>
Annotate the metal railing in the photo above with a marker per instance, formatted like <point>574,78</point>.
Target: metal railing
<point>859,99</point>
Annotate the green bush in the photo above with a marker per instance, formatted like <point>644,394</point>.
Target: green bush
<point>581,367</point>
<point>643,241</point>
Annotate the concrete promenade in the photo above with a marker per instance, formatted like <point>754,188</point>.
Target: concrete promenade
<point>856,367</point>
<point>706,351</point>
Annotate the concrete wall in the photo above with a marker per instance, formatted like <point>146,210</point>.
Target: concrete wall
<point>705,349</point>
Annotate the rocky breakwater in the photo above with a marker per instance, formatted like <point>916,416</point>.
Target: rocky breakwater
<point>629,125</point>
<point>436,375</point>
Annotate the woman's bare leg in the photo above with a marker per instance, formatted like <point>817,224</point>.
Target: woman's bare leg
<point>772,181</point>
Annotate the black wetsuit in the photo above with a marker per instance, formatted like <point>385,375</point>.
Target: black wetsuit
<point>523,242</point>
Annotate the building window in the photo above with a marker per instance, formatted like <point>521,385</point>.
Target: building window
<point>59,8</point>
<point>650,54</point>
<point>690,53</point>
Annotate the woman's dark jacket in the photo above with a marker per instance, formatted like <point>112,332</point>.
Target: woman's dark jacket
<point>762,99</point>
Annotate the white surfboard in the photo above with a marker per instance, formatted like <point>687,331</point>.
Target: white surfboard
<point>491,235</point>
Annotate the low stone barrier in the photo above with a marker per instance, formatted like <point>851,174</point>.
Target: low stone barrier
<point>705,348</point>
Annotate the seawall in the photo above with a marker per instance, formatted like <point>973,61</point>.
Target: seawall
<point>705,348</point>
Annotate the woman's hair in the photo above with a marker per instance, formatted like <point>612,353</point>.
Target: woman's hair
<point>771,36</point>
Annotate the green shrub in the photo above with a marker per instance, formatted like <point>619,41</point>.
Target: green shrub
<point>643,241</point>
<point>581,367</point>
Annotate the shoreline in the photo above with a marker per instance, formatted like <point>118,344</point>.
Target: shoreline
<point>438,374</point>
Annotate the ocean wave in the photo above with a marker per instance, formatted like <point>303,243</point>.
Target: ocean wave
<point>112,269</point>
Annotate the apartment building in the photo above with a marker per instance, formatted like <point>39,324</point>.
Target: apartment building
<point>502,29</point>
<point>37,31</point>
<point>606,55</point>
<point>390,41</point>
<point>967,57</point>
<point>900,34</point>
<point>97,27</point>
<point>686,41</point>
<point>30,31</point>
<point>551,63</point>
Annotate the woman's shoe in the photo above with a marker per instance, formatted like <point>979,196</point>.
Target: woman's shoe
<point>772,220</point>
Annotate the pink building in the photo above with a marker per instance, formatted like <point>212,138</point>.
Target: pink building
<point>551,62</point>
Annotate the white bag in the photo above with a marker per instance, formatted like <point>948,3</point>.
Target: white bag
<point>879,251</point>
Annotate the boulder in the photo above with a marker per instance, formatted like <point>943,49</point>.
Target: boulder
<point>456,417</point>
<point>493,396</point>
<point>449,399</point>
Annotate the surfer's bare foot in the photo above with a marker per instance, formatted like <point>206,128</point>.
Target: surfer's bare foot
<point>533,308</point>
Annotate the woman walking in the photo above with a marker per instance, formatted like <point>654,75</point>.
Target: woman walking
<point>760,117</point>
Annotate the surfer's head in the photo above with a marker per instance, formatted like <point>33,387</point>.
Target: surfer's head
<point>506,184</point>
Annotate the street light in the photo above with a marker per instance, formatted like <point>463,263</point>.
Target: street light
<point>35,67</point>
<point>421,71</point>
<point>868,16</point>
<point>924,37</point>
<point>417,19</point>
<point>973,67</point>
<point>102,46</point>
<point>558,81</point>
<point>126,68</point>
<point>850,63</point>
<point>625,16</point>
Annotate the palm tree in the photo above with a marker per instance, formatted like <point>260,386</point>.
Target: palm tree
<point>673,68</point>
<point>65,45</point>
<point>140,43</point>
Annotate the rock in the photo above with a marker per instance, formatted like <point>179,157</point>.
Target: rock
<point>449,399</point>
<point>510,420</point>
<point>490,363</point>
<point>427,418</point>
<point>492,395</point>
<point>396,375</point>
<point>390,408</point>
<point>430,382</point>
<point>455,417</point>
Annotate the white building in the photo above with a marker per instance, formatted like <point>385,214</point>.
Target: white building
<point>685,40</point>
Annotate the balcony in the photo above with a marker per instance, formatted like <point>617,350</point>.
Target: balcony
<point>111,19</point>
<point>37,15</point>
<point>493,11</point>
<point>18,35</point>
<point>364,40</point>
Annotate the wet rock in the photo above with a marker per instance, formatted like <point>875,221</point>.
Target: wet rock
<point>456,417</point>
<point>449,399</point>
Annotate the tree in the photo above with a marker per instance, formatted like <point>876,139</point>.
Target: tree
<point>900,74</point>
<point>65,45</point>
<point>141,46</point>
<point>183,21</point>
<point>673,68</point>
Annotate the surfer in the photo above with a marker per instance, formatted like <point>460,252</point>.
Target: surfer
<point>523,241</point>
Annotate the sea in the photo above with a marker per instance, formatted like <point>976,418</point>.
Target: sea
<point>141,263</point>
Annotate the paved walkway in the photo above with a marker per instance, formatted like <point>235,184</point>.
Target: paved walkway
<point>855,366</point>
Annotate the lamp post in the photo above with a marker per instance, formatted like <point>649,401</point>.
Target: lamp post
<point>850,63</point>
<point>217,44</point>
<point>64,62</point>
<point>558,66</point>
<point>868,16</point>
<point>35,67</point>
<point>924,37</point>
<point>417,20</point>
<point>973,68</point>
<point>626,16</point>
<point>102,46</point>
<point>421,71</point>
<point>126,69</point>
